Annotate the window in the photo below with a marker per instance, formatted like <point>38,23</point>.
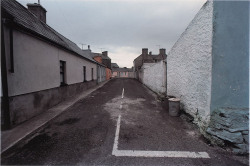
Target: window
<point>84,73</point>
<point>92,73</point>
<point>62,72</point>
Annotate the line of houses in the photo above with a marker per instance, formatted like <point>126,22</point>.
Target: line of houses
<point>39,66</point>
<point>124,72</point>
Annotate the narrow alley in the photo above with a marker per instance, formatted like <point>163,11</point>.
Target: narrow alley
<point>121,123</point>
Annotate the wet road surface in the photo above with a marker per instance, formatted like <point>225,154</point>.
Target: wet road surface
<point>85,134</point>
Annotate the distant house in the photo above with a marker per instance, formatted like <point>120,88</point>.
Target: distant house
<point>150,69</point>
<point>114,66</point>
<point>105,60</point>
<point>159,57</point>
<point>123,72</point>
<point>40,67</point>
<point>146,57</point>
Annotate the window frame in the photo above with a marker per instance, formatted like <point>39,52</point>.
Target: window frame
<point>92,73</point>
<point>62,73</point>
<point>84,73</point>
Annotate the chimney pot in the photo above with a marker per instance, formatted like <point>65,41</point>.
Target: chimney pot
<point>88,47</point>
<point>162,51</point>
<point>105,53</point>
<point>38,11</point>
<point>144,51</point>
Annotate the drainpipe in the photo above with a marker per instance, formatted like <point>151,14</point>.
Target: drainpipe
<point>5,98</point>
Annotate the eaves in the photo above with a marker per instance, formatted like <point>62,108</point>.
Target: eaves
<point>43,38</point>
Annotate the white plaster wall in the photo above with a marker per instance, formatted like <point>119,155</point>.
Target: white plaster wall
<point>74,67</point>
<point>155,76</point>
<point>36,65</point>
<point>101,73</point>
<point>189,65</point>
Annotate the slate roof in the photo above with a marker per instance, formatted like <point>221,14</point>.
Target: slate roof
<point>95,54</point>
<point>160,57</point>
<point>105,57</point>
<point>123,69</point>
<point>27,21</point>
<point>99,54</point>
<point>114,65</point>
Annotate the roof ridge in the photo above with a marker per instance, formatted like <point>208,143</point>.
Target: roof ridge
<point>29,21</point>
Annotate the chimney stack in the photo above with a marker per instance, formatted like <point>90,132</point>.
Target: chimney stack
<point>162,51</point>
<point>38,11</point>
<point>144,51</point>
<point>105,53</point>
<point>150,52</point>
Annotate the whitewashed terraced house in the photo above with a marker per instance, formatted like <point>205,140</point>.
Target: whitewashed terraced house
<point>40,67</point>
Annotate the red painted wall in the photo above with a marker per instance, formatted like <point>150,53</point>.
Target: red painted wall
<point>108,74</point>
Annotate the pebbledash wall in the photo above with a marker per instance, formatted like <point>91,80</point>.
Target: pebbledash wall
<point>189,65</point>
<point>154,76</point>
<point>35,84</point>
<point>207,69</point>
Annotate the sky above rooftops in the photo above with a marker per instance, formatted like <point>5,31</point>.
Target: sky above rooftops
<point>121,27</point>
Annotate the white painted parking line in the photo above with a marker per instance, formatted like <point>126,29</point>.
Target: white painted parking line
<point>115,147</point>
<point>122,93</point>
<point>139,153</point>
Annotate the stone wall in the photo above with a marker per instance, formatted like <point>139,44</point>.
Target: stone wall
<point>230,74</point>
<point>154,76</point>
<point>230,126</point>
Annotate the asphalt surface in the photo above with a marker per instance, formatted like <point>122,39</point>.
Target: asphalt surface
<point>84,134</point>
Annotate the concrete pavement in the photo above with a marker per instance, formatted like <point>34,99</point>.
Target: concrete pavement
<point>86,134</point>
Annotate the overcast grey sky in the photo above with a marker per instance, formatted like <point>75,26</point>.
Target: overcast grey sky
<point>121,27</point>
